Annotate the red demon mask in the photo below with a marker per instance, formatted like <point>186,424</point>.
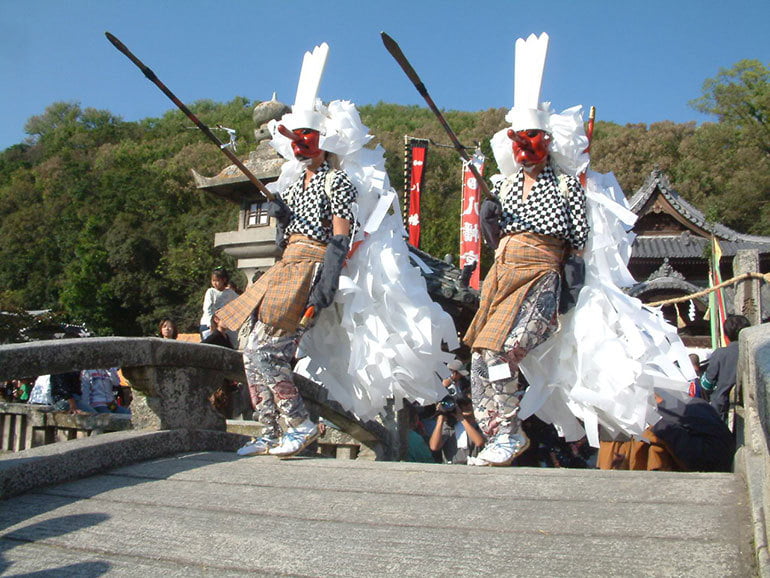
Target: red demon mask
<point>304,141</point>
<point>530,147</point>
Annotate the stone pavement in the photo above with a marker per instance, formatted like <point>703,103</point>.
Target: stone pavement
<point>212,513</point>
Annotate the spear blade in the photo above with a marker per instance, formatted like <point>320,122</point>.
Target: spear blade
<point>399,56</point>
<point>395,51</point>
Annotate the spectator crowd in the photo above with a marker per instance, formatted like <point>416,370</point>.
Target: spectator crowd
<point>89,391</point>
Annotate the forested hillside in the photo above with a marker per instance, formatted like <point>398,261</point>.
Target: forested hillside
<point>100,219</point>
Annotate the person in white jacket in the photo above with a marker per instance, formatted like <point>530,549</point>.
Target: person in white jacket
<point>216,297</point>
<point>98,390</point>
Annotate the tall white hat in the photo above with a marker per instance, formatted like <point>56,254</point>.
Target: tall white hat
<point>339,123</point>
<point>304,112</point>
<point>528,79</point>
<point>568,142</point>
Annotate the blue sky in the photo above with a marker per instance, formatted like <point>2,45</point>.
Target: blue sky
<point>635,61</point>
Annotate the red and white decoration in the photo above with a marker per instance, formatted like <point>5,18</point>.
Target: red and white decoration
<point>419,153</point>
<point>470,232</point>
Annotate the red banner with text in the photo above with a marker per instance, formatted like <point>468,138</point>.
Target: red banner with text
<point>418,153</point>
<point>470,232</point>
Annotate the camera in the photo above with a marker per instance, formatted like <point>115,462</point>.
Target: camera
<point>449,402</point>
<point>455,397</point>
<point>447,405</point>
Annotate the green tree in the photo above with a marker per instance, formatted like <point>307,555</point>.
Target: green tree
<point>726,165</point>
<point>94,210</point>
<point>633,151</point>
<point>441,195</point>
<point>740,97</point>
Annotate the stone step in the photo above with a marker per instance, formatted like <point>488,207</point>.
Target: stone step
<point>213,513</point>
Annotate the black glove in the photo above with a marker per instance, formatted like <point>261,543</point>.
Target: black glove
<point>489,219</point>
<point>573,277</point>
<point>467,273</point>
<point>322,293</point>
<point>279,211</point>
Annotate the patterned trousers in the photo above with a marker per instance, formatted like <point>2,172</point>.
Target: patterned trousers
<point>496,400</point>
<point>267,359</point>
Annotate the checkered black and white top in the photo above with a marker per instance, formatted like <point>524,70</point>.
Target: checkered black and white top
<point>312,208</point>
<point>550,209</point>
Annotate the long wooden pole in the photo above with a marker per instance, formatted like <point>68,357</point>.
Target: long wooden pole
<point>152,77</point>
<point>395,51</point>
<point>590,135</point>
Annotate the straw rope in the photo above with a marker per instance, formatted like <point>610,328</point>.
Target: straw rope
<point>744,277</point>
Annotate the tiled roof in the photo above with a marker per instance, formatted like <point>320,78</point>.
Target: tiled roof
<point>444,281</point>
<point>662,284</point>
<point>686,245</point>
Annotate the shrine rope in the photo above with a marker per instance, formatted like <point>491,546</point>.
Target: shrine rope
<point>744,277</point>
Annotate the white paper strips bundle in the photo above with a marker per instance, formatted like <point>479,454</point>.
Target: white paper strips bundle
<point>611,351</point>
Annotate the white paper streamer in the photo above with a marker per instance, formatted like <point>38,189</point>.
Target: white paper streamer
<point>611,351</point>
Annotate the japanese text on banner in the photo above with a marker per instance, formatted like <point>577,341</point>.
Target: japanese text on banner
<point>470,233</point>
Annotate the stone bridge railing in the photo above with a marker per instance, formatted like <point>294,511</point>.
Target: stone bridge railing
<point>753,431</point>
<point>173,380</point>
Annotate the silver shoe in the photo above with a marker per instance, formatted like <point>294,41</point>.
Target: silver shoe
<point>257,446</point>
<point>296,439</point>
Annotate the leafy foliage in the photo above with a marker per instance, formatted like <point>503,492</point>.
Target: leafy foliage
<point>740,98</point>
<point>99,219</point>
<point>95,211</point>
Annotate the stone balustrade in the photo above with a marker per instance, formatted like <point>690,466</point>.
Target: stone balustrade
<point>24,426</point>
<point>172,382</point>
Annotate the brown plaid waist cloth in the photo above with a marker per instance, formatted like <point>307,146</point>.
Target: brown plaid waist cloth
<point>520,261</point>
<point>280,295</point>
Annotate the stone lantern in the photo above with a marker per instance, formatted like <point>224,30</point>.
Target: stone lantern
<point>253,244</point>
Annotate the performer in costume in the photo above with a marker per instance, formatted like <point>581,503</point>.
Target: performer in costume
<point>611,352</point>
<point>376,335</point>
<point>537,220</point>
<point>314,216</point>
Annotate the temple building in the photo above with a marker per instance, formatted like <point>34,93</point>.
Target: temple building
<point>671,255</point>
